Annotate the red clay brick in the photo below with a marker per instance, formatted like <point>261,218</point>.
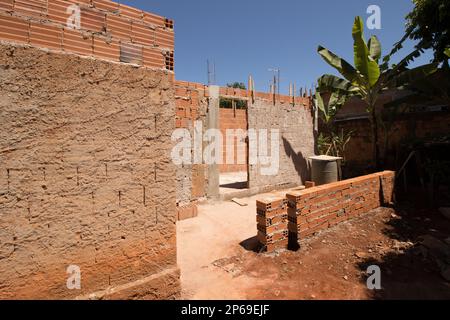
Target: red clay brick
<point>273,228</point>
<point>81,3</point>
<point>35,8</point>
<point>6,5</point>
<point>164,38</point>
<point>272,213</point>
<point>169,24</point>
<point>154,19</point>
<point>46,36</point>
<point>13,29</point>
<point>142,34</point>
<point>130,12</point>
<point>187,212</point>
<point>57,11</point>
<point>270,203</point>
<point>105,49</point>
<point>282,244</point>
<point>93,20</point>
<point>77,42</point>
<point>119,27</point>
<point>106,5</point>
<point>310,184</point>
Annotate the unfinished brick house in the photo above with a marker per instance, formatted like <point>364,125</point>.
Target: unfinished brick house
<point>292,116</point>
<point>87,112</point>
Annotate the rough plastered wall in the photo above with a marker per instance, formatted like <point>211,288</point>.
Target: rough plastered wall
<point>295,122</point>
<point>86,177</point>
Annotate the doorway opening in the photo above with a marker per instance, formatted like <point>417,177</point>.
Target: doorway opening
<point>233,120</point>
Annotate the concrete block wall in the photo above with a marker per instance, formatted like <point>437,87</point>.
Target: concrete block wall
<point>318,208</point>
<point>295,122</point>
<point>109,30</point>
<point>86,178</point>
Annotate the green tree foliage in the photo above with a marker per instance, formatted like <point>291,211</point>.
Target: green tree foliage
<point>429,24</point>
<point>366,80</point>
<point>237,85</point>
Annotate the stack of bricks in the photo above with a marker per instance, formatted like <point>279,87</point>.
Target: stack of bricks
<point>107,30</point>
<point>318,208</point>
<point>272,223</point>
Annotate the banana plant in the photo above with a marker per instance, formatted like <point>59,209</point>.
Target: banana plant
<point>367,79</point>
<point>436,85</point>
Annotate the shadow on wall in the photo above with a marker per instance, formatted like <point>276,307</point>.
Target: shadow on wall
<point>301,164</point>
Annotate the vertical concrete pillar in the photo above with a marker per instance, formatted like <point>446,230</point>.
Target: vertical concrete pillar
<point>316,126</point>
<point>212,122</point>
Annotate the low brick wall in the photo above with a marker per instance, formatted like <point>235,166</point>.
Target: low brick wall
<point>272,222</point>
<point>282,221</point>
<point>187,211</point>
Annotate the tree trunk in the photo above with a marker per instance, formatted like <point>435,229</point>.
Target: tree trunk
<point>375,148</point>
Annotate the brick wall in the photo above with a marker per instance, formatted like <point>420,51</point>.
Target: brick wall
<point>85,177</point>
<point>188,100</point>
<point>291,115</point>
<point>405,129</point>
<point>191,105</point>
<point>282,221</point>
<point>233,119</point>
<point>272,222</point>
<point>109,30</point>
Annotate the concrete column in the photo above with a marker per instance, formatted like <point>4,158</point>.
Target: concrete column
<point>212,122</point>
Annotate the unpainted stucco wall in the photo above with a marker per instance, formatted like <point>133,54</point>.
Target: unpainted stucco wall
<point>86,177</point>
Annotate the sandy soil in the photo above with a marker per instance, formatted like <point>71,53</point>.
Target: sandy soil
<point>217,258</point>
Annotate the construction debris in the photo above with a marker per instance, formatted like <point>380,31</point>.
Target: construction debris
<point>240,202</point>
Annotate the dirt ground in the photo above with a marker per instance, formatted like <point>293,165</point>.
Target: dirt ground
<point>216,254</point>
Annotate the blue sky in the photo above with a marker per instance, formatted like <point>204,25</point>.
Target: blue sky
<point>247,37</point>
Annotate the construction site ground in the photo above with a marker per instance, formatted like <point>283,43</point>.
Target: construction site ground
<point>218,258</point>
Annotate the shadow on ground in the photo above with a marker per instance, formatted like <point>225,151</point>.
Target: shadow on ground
<point>414,268</point>
<point>251,244</point>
